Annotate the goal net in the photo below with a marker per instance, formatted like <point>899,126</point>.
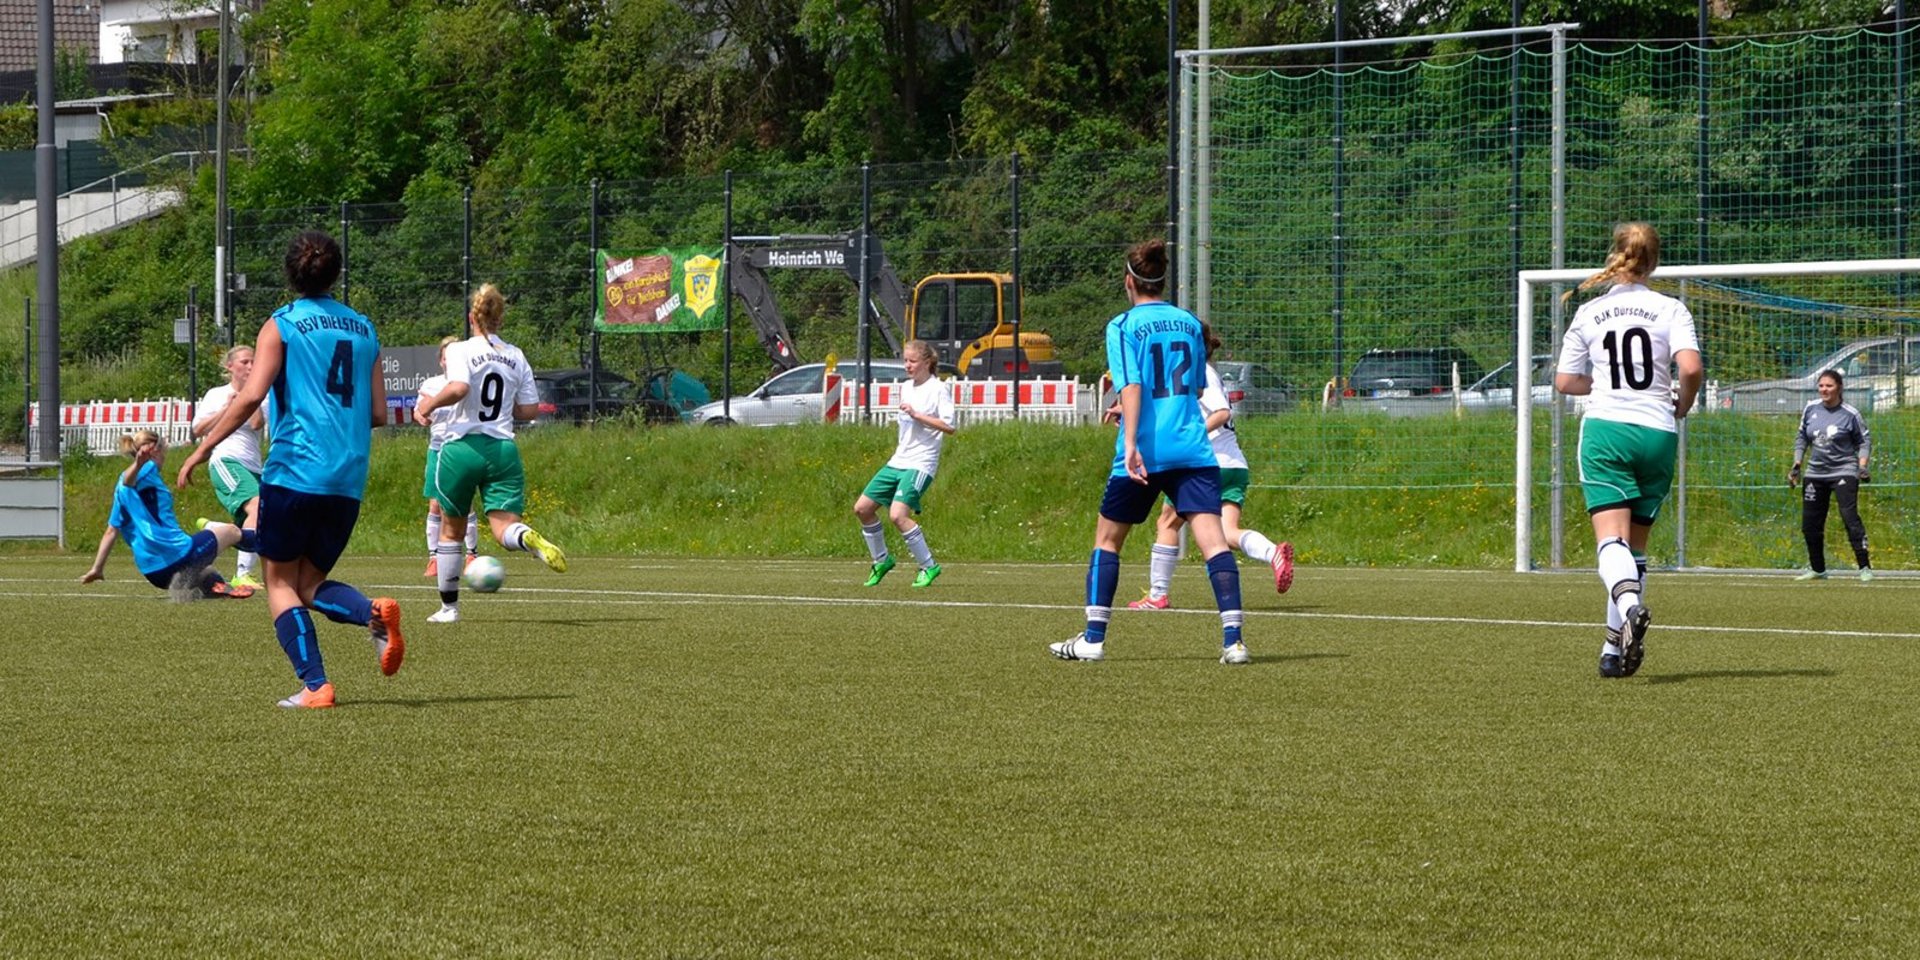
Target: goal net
<point>1766,331</point>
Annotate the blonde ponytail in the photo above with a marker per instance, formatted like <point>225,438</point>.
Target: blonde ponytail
<point>1634,256</point>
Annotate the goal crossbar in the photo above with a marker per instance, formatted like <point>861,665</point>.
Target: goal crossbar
<point>1523,351</point>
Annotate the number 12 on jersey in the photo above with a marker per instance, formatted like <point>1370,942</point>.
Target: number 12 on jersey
<point>1177,384</point>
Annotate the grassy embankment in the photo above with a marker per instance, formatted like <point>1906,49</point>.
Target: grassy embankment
<point>1028,492</point>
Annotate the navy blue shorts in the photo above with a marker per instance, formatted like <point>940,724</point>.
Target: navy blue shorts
<point>205,547</point>
<point>1189,489</point>
<point>296,525</point>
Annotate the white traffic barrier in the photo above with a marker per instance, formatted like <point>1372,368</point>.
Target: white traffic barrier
<point>978,401</point>
<point>99,424</point>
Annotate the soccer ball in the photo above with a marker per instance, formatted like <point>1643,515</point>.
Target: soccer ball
<point>484,574</point>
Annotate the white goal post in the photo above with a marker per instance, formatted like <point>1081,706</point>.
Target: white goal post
<point>1523,340</point>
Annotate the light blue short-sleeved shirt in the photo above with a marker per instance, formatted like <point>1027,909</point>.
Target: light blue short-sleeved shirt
<point>321,410</point>
<point>1160,347</point>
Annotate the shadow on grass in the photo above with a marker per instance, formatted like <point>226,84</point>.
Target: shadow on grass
<point>570,621</point>
<point>1738,675</point>
<point>1259,659</point>
<point>418,702</point>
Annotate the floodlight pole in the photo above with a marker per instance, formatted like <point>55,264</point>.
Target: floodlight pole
<point>47,249</point>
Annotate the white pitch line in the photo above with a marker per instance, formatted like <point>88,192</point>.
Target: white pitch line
<point>552,595</point>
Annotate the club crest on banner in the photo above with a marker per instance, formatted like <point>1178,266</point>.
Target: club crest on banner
<point>702,283</point>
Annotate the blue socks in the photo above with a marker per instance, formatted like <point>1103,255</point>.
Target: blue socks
<point>342,604</point>
<point>1103,578</point>
<point>1224,574</point>
<point>249,540</point>
<point>295,630</point>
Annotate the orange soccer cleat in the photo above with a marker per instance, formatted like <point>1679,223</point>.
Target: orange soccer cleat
<point>385,628</point>
<point>318,698</point>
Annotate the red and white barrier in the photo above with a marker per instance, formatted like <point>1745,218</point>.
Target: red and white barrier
<point>977,401</point>
<point>831,400</point>
<point>99,424</point>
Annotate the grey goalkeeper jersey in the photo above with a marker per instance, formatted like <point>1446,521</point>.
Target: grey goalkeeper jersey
<point>1831,441</point>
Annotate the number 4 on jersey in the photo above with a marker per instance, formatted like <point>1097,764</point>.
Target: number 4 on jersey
<point>340,373</point>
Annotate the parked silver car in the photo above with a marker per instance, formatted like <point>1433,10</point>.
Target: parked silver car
<point>1495,390</point>
<point>793,396</point>
<point>1872,368</point>
<point>1252,388</point>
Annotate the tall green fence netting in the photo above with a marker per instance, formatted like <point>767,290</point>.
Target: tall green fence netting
<point>1388,206</point>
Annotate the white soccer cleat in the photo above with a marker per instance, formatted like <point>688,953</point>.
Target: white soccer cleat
<point>1078,648</point>
<point>1235,654</point>
<point>449,613</point>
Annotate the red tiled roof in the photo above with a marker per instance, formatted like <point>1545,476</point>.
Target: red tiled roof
<point>76,24</point>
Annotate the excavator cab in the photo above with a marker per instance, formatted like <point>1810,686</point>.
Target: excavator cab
<point>966,318</point>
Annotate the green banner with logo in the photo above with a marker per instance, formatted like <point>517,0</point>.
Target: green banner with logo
<point>664,290</point>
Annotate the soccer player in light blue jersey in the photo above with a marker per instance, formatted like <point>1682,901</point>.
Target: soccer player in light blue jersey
<point>320,359</point>
<point>142,515</point>
<point>1158,358</point>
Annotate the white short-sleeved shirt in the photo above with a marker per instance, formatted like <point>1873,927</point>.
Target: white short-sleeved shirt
<point>919,447</point>
<point>441,416</point>
<point>242,445</point>
<point>497,377</point>
<point>1625,339</point>
<point>1226,443</point>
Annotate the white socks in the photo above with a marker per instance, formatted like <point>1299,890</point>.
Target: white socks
<point>1256,546</point>
<point>1621,575</point>
<point>917,544</point>
<point>433,533</point>
<point>515,537</point>
<point>876,536</point>
<point>1160,569</point>
<point>245,563</point>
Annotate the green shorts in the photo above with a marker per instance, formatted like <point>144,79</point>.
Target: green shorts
<point>233,486</point>
<point>899,483</point>
<point>1233,485</point>
<point>471,463</point>
<point>1625,464</point>
<point>433,467</point>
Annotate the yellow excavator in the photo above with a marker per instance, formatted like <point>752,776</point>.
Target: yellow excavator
<point>966,317</point>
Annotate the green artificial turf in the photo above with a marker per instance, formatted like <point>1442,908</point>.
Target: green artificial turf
<point>728,758</point>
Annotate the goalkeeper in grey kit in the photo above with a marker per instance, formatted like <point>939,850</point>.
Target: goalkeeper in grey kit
<point>1833,445</point>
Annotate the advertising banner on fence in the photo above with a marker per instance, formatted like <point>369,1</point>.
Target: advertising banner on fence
<point>658,291</point>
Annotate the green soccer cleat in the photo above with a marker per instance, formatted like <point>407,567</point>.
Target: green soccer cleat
<point>1812,575</point>
<point>201,523</point>
<point>927,576</point>
<point>1866,574</point>
<point>880,568</point>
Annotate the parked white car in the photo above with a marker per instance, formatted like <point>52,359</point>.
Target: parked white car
<point>792,396</point>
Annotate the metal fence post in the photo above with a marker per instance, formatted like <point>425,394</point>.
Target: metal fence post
<point>193,347</point>
<point>345,261</point>
<point>26,376</point>
<point>726,297</point>
<point>593,332</point>
<point>866,288</point>
<point>1018,353</point>
<point>466,254</point>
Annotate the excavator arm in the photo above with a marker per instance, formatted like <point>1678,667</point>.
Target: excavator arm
<point>752,257</point>
<point>750,284</point>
